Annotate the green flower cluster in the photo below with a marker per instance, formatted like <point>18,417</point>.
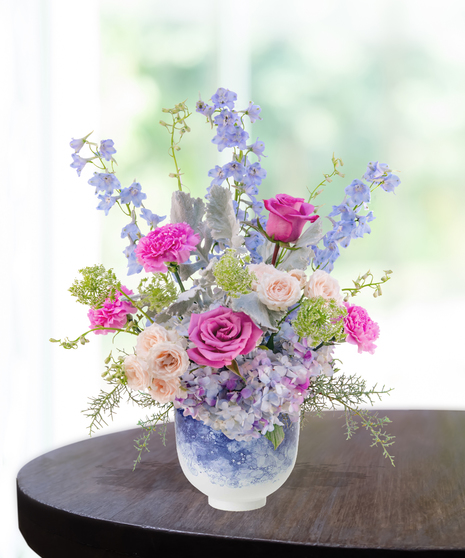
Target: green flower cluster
<point>96,285</point>
<point>158,292</point>
<point>320,319</point>
<point>232,275</point>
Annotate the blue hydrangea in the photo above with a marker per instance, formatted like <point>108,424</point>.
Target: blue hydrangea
<point>106,149</point>
<point>133,194</point>
<point>358,192</point>
<point>104,182</point>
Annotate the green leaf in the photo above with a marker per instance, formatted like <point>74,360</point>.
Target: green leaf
<point>276,437</point>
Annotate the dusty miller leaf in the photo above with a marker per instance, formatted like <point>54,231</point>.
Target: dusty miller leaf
<point>185,209</point>
<point>253,307</point>
<point>221,217</point>
<point>185,302</point>
<point>300,259</point>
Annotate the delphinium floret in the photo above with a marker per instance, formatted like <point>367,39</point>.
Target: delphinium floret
<point>321,319</point>
<point>232,275</point>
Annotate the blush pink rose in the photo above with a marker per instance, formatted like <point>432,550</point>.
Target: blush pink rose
<point>259,270</point>
<point>322,284</point>
<point>170,243</point>
<point>164,391</point>
<point>136,373</point>
<point>288,216</point>
<point>167,360</point>
<point>361,330</point>
<point>112,313</point>
<point>278,290</point>
<point>153,335</point>
<point>220,335</point>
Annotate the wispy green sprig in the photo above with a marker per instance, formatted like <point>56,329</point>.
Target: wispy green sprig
<point>327,178</point>
<point>350,393</point>
<point>179,114</point>
<point>155,423</point>
<point>367,280</point>
<point>158,292</point>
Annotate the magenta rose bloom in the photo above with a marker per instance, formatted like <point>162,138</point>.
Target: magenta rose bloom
<point>112,314</point>
<point>220,335</point>
<point>288,216</point>
<point>170,243</point>
<point>361,330</point>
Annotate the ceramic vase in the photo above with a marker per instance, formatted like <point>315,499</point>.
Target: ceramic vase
<point>236,476</point>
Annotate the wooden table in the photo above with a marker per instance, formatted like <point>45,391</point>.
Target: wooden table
<point>342,499</point>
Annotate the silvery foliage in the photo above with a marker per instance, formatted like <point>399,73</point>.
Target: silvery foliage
<point>185,209</point>
<point>296,259</point>
<point>221,217</point>
<point>260,314</point>
<point>196,299</point>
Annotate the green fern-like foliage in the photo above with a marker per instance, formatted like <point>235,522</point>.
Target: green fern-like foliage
<point>96,285</point>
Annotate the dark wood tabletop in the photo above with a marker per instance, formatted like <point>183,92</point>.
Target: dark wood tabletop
<point>342,499</point>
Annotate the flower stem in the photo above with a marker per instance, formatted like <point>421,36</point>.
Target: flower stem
<point>275,254</point>
<point>178,279</point>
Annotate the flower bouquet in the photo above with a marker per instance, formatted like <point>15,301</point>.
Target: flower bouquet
<point>237,316</point>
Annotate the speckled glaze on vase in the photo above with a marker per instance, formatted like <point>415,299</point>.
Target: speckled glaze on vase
<point>236,476</point>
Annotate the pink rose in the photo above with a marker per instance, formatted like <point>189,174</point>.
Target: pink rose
<point>220,335</point>
<point>361,330</point>
<point>153,335</point>
<point>136,373</point>
<point>167,360</point>
<point>170,243</point>
<point>112,314</point>
<point>278,290</point>
<point>288,216</point>
<point>164,391</point>
<point>322,284</point>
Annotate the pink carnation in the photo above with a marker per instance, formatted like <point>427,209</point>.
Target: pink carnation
<point>170,243</point>
<point>112,314</point>
<point>361,330</point>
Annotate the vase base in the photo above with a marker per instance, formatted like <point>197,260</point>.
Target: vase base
<point>236,506</point>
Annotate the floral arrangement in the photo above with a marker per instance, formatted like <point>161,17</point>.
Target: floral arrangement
<point>237,316</point>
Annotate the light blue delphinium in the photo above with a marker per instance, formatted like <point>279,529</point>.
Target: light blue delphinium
<point>258,148</point>
<point>106,149</point>
<point>255,173</point>
<point>104,182</point>
<point>152,219</point>
<point>380,173</point>
<point>133,265</point>
<point>218,175</point>
<point>358,192</point>
<point>253,111</point>
<point>133,194</point>
<point>132,231</point>
<point>106,202</point>
<point>224,98</point>
<point>79,162</point>
<point>234,169</point>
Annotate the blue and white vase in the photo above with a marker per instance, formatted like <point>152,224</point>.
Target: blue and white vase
<point>236,476</point>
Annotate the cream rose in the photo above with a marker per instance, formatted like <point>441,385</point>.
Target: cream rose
<point>322,284</point>
<point>164,391</point>
<point>153,335</point>
<point>136,373</point>
<point>167,360</point>
<point>299,274</point>
<point>278,290</point>
<point>259,270</point>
